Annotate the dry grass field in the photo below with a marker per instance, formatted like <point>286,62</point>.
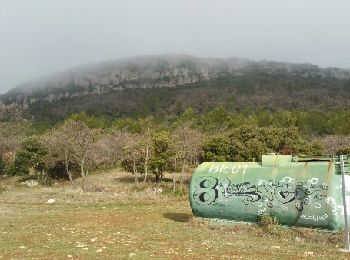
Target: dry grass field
<point>115,220</point>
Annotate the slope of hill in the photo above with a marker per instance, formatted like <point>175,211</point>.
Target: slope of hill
<point>167,84</point>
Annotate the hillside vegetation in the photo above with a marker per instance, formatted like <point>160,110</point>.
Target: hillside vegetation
<point>165,86</point>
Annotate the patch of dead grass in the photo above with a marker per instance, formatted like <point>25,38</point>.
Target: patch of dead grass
<point>119,222</point>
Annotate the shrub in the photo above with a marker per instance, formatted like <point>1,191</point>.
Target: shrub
<point>248,143</point>
<point>2,166</point>
<point>269,223</point>
<point>31,155</point>
<point>343,150</point>
<point>2,189</point>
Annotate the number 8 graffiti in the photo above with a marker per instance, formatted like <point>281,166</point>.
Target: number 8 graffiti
<point>207,192</point>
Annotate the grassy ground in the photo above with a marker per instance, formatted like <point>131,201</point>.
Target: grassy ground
<point>117,221</point>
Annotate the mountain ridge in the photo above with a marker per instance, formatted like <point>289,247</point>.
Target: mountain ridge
<point>165,85</point>
<point>152,71</point>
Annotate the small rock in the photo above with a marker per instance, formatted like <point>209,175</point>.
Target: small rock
<point>275,247</point>
<point>309,253</point>
<point>99,250</point>
<point>70,256</point>
<point>50,201</point>
<point>132,255</point>
<point>93,239</point>
<point>21,247</point>
<point>298,240</point>
<point>30,183</point>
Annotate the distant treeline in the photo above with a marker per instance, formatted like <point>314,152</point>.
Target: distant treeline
<point>218,120</point>
<point>149,147</point>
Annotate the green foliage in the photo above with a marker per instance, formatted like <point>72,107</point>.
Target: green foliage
<point>174,143</point>
<point>128,163</point>
<point>248,143</point>
<point>128,124</point>
<point>216,149</point>
<point>2,189</point>
<point>31,155</point>
<point>2,166</point>
<point>269,223</point>
<point>21,164</point>
<point>90,121</point>
<point>161,153</point>
<point>215,119</point>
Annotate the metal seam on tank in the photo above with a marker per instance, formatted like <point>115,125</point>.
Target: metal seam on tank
<point>328,208</point>
<point>304,176</point>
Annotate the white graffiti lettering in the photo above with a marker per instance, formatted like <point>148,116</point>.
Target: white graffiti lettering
<point>314,217</point>
<point>317,205</point>
<point>215,168</point>
<point>313,181</point>
<point>288,179</point>
<point>262,211</point>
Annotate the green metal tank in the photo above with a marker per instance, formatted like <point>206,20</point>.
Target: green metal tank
<point>299,191</point>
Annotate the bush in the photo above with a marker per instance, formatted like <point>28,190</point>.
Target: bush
<point>2,166</point>
<point>269,223</point>
<point>31,155</point>
<point>58,170</point>
<point>216,149</point>
<point>2,189</point>
<point>249,143</point>
<point>343,150</point>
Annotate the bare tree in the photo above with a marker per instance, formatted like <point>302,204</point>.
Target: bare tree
<point>13,127</point>
<point>332,143</point>
<point>108,149</point>
<point>82,139</point>
<point>147,144</point>
<point>73,141</point>
<point>134,153</point>
<point>186,142</point>
<point>60,148</point>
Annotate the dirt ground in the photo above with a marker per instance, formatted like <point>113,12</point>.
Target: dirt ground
<point>117,220</point>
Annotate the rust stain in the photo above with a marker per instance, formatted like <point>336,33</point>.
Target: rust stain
<point>329,175</point>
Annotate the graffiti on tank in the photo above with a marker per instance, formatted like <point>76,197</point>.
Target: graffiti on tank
<point>207,191</point>
<point>336,209</point>
<point>238,168</point>
<point>314,217</point>
<point>264,192</point>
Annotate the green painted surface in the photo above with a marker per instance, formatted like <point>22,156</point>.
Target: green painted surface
<point>299,191</point>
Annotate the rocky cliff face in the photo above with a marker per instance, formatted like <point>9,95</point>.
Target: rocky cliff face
<point>151,72</point>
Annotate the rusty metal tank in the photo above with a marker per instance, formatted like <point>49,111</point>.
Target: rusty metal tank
<point>299,191</point>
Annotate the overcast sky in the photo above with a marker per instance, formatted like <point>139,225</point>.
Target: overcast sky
<point>38,37</point>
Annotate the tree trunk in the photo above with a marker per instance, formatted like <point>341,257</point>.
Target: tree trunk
<point>135,171</point>
<point>174,174</point>
<point>83,175</point>
<point>174,181</point>
<point>67,168</point>
<point>147,155</point>
<point>161,176</point>
<point>181,176</point>
<point>157,177</point>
